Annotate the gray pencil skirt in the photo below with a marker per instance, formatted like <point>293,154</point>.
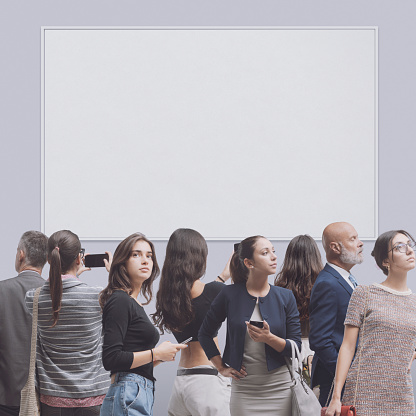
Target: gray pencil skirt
<point>265,394</point>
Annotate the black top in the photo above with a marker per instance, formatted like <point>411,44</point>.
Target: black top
<point>127,329</point>
<point>200,306</point>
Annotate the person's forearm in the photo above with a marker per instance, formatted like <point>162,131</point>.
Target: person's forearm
<point>345,356</point>
<point>276,342</point>
<point>143,357</point>
<point>218,363</point>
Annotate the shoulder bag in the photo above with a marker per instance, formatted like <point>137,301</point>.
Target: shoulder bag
<point>29,398</point>
<point>304,401</point>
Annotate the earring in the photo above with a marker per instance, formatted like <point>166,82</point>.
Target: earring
<point>388,268</point>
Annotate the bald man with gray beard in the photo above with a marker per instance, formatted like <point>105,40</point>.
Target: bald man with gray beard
<point>16,321</point>
<point>329,302</point>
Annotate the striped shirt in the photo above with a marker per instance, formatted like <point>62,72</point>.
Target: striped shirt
<point>68,356</point>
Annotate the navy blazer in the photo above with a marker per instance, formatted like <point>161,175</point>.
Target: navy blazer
<point>278,308</point>
<point>327,309</point>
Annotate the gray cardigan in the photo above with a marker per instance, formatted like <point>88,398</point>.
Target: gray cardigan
<point>69,355</point>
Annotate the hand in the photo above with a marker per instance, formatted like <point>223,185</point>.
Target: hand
<point>411,361</point>
<point>81,267</point>
<point>259,334</point>
<point>334,408</point>
<point>231,372</point>
<point>166,351</point>
<point>109,261</point>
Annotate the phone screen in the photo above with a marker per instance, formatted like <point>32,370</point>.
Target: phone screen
<point>95,260</point>
<point>258,324</point>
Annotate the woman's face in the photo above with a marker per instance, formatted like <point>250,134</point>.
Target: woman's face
<point>402,257</point>
<point>264,257</point>
<point>140,263</point>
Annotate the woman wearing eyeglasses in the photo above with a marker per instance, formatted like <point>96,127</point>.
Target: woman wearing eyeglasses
<point>71,376</point>
<point>378,381</point>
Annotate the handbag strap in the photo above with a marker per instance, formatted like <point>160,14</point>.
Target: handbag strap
<point>359,355</point>
<point>293,368</point>
<point>34,333</point>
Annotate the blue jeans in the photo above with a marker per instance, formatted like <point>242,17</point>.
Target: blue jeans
<point>129,395</point>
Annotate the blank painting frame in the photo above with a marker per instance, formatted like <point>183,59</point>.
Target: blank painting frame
<point>230,131</point>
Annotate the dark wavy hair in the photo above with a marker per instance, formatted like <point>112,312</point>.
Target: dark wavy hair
<point>383,245</point>
<point>245,250</point>
<point>118,278</point>
<point>185,262</point>
<point>299,271</point>
<point>64,248</point>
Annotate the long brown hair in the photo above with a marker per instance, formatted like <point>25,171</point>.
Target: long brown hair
<point>299,271</point>
<point>185,262</point>
<point>245,250</point>
<point>63,250</point>
<point>118,278</point>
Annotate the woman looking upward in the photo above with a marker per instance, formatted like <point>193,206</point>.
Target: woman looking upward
<point>388,332</point>
<point>254,355</point>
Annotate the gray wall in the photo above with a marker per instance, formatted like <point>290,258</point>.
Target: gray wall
<point>20,23</point>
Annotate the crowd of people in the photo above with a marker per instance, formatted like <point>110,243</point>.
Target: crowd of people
<point>97,348</point>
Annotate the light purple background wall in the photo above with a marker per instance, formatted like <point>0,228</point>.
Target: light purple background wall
<point>20,23</point>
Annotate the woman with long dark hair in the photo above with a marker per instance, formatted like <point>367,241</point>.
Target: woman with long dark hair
<point>298,273</point>
<point>129,350</point>
<point>71,376</point>
<point>382,317</point>
<point>261,319</point>
<point>181,305</point>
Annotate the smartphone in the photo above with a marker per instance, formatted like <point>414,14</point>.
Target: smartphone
<point>258,324</point>
<point>187,340</point>
<point>236,246</point>
<point>95,260</point>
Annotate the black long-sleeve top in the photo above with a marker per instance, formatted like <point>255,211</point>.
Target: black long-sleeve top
<point>127,329</point>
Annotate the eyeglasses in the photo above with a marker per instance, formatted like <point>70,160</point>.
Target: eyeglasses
<point>82,252</point>
<point>402,247</point>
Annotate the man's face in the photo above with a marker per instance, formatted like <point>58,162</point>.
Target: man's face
<point>351,247</point>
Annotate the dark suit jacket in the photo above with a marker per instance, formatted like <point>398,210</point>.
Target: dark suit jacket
<point>328,306</point>
<point>15,333</point>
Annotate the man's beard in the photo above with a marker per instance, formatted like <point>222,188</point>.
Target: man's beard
<point>350,258</point>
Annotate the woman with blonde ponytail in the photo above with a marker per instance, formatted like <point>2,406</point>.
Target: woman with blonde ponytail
<point>261,319</point>
<point>71,377</point>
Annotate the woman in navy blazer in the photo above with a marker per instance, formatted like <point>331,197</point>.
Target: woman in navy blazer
<point>254,355</point>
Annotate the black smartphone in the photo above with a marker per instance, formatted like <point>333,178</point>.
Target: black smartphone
<point>95,260</point>
<point>236,246</point>
<point>258,324</point>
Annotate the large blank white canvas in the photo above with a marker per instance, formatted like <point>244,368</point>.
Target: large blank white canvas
<point>233,132</point>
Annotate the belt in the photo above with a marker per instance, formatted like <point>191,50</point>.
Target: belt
<point>193,371</point>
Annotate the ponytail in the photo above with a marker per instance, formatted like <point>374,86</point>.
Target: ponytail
<point>55,283</point>
<point>245,250</point>
<point>63,250</point>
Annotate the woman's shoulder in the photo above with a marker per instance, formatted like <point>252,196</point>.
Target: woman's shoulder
<point>281,291</point>
<point>119,299</point>
<point>214,287</point>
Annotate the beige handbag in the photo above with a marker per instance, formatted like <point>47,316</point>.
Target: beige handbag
<point>29,397</point>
